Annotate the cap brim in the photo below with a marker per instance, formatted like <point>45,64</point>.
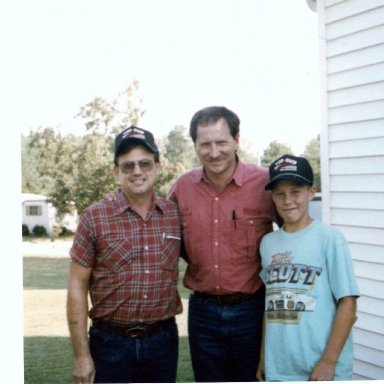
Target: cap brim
<point>290,177</point>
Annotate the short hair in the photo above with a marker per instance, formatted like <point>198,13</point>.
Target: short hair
<point>210,115</point>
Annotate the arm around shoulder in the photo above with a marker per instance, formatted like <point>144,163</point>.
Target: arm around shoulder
<point>77,316</point>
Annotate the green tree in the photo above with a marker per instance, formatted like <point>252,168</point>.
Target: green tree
<point>178,148</point>
<point>65,173</point>
<point>273,151</point>
<point>41,154</point>
<point>52,161</point>
<point>246,154</point>
<point>78,170</point>
<point>98,116</point>
<point>312,153</point>
<point>30,177</point>
<point>178,156</point>
<point>109,117</point>
<point>130,105</point>
<point>94,177</point>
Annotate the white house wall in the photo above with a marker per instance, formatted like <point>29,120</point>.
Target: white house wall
<point>351,36</point>
<point>43,219</point>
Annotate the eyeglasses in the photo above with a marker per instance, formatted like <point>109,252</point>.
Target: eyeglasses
<point>129,166</point>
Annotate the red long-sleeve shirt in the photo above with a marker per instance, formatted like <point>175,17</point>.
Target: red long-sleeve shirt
<point>222,231</point>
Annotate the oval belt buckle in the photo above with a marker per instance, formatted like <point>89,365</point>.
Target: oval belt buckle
<point>135,332</point>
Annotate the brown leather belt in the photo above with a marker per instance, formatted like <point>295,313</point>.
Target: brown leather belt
<point>232,298</point>
<point>132,330</point>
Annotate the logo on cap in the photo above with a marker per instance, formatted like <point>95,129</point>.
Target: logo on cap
<point>133,132</point>
<point>286,164</point>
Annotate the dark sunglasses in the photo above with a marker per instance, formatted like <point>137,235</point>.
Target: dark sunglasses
<point>129,166</point>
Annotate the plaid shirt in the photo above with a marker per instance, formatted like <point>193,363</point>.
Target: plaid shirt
<point>134,261</point>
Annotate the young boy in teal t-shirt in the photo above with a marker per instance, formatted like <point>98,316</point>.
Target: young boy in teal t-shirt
<point>310,284</point>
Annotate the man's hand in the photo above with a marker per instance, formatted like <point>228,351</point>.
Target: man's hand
<point>84,371</point>
<point>323,371</point>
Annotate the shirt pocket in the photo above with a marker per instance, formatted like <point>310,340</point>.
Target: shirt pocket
<point>116,254</point>
<point>246,239</point>
<point>170,251</point>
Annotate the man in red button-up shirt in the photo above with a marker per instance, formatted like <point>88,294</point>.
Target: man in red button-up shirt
<point>225,211</point>
<point>125,254</point>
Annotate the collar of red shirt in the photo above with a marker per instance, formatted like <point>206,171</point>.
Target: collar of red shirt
<point>238,176</point>
<point>122,204</point>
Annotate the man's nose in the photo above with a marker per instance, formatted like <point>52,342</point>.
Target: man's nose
<point>214,151</point>
<point>136,168</point>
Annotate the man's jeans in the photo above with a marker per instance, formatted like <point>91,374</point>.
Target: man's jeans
<point>225,339</point>
<point>120,359</point>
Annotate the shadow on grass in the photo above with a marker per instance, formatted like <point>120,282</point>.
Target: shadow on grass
<point>49,360</point>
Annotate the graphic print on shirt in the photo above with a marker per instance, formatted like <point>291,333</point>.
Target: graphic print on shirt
<point>288,289</point>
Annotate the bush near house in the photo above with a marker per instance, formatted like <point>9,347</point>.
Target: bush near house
<point>39,231</point>
<point>25,230</point>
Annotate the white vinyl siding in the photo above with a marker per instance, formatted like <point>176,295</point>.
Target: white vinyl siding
<point>351,35</point>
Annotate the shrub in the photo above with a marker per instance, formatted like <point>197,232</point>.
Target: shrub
<point>39,231</point>
<point>26,230</point>
<point>57,231</point>
<point>66,232</point>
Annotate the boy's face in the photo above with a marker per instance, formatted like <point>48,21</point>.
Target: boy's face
<point>292,201</point>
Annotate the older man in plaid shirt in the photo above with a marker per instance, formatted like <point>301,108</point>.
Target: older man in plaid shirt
<point>125,255</point>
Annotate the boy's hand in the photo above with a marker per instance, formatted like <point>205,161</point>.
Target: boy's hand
<point>260,374</point>
<point>323,371</point>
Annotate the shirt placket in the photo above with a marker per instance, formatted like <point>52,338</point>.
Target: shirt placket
<point>216,240</point>
<point>145,247</point>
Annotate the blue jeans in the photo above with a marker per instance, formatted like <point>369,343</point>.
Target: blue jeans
<point>120,359</point>
<point>225,339</point>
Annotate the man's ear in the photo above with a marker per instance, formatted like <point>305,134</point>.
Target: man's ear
<point>115,171</point>
<point>158,169</point>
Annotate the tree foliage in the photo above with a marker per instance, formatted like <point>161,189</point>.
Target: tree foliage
<point>178,156</point>
<point>273,151</point>
<point>78,170</point>
<point>246,154</point>
<point>312,153</point>
<point>109,117</point>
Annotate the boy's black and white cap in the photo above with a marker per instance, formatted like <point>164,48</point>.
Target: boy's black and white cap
<point>138,134</point>
<point>289,167</point>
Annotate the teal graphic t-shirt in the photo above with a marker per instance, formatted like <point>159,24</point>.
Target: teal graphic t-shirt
<point>305,274</point>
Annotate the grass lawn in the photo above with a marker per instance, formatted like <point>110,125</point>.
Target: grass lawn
<point>48,359</point>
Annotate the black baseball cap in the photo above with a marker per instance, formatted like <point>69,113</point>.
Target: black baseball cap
<point>135,134</point>
<point>289,167</point>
